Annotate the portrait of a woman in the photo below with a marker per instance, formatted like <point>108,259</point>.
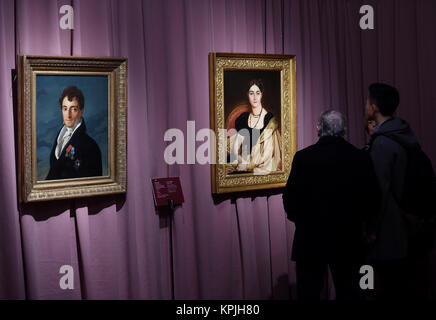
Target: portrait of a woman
<point>256,146</point>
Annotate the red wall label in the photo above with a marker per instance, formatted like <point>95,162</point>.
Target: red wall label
<point>165,189</point>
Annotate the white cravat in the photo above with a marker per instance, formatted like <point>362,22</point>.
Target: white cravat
<point>65,136</point>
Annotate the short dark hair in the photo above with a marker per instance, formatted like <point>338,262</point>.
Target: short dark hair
<point>73,92</point>
<point>385,97</point>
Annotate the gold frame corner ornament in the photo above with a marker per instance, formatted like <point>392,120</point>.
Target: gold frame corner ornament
<point>286,65</point>
<point>31,190</point>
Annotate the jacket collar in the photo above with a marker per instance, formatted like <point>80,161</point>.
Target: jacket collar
<point>81,129</point>
<point>330,140</point>
<point>378,127</point>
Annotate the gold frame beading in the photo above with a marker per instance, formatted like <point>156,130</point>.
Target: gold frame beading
<point>286,65</point>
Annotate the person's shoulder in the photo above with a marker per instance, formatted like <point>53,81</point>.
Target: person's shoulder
<point>243,115</point>
<point>306,155</point>
<point>307,151</point>
<point>352,150</point>
<point>351,147</point>
<point>382,143</point>
<point>88,142</point>
<point>267,118</point>
<point>362,154</point>
<point>242,121</point>
<point>340,145</point>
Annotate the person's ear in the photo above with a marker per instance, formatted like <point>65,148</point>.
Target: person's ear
<point>375,108</point>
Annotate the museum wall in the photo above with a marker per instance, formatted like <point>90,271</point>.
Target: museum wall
<point>233,247</point>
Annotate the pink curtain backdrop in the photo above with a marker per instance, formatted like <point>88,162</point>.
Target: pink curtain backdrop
<point>237,248</point>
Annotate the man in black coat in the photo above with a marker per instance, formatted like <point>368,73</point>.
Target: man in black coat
<point>74,154</point>
<point>330,194</point>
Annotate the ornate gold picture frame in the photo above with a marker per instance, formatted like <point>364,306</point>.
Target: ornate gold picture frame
<point>72,127</point>
<point>253,114</point>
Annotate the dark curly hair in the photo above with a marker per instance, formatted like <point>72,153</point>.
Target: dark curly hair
<point>73,92</point>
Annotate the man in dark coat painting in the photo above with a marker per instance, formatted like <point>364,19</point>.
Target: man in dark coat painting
<point>74,154</point>
<point>331,194</point>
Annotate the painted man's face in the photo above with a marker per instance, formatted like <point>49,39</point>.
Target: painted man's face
<point>71,111</point>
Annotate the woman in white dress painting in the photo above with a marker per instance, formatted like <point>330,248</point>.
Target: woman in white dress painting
<point>256,147</point>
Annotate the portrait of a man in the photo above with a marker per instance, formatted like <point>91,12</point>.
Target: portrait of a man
<point>74,153</point>
<point>71,126</point>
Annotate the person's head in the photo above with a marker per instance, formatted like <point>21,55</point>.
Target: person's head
<point>72,105</point>
<point>382,100</point>
<point>331,123</point>
<point>255,93</point>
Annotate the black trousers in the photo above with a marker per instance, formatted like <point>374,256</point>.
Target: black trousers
<point>403,279</point>
<point>311,278</point>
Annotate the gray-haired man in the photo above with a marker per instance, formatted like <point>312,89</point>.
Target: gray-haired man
<point>331,191</point>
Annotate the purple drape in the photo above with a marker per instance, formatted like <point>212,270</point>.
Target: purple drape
<point>11,264</point>
<point>233,249</point>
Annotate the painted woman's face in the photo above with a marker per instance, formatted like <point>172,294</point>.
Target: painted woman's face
<point>255,96</point>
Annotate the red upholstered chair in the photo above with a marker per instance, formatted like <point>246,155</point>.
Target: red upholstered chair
<point>236,112</point>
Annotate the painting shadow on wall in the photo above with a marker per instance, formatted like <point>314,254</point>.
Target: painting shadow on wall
<point>97,204</point>
<point>42,211</point>
<point>219,198</point>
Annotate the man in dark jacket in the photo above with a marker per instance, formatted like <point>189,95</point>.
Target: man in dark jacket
<point>74,154</point>
<point>390,249</point>
<point>331,191</point>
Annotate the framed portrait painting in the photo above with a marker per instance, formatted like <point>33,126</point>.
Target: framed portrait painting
<point>72,127</point>
<point>253,113</point>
